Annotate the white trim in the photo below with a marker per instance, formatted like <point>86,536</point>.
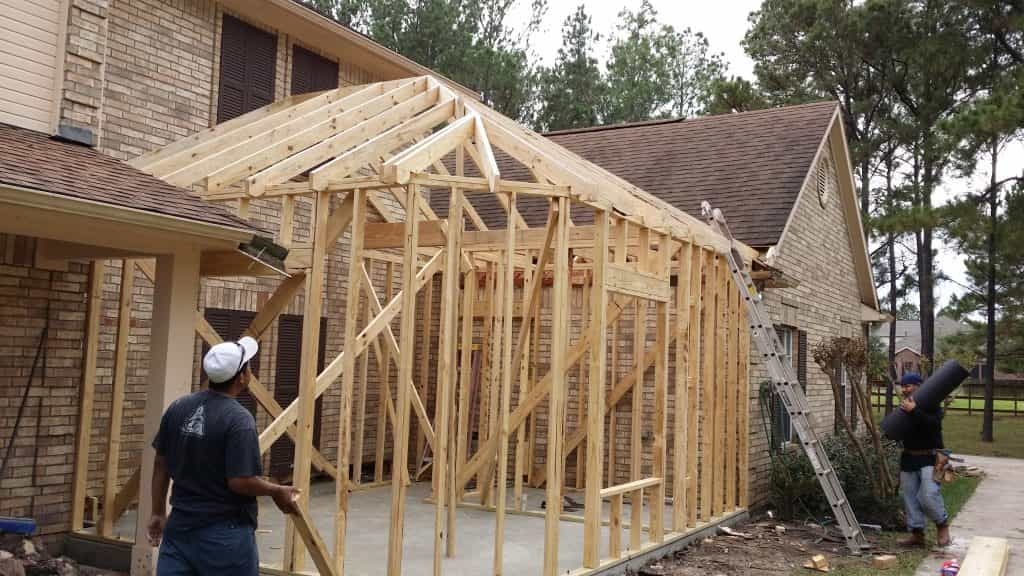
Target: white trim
<point>90,208</point>
<point>914,350</point>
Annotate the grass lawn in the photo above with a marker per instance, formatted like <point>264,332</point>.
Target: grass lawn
<point>955,494</point>
<point>962,435</point>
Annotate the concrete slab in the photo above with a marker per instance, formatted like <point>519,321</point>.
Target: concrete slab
<point>369,516</point>
<point>996,509</point>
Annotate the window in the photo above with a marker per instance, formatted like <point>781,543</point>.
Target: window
<point>312,72</point>
<point>783,426</point>
<point>248,59</point>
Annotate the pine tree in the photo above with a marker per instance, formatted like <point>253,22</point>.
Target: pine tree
<point>571,91</point>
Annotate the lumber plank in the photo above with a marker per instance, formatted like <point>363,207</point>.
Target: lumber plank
<point>424,153</point>
<point>310,536</point>
<point>721,386</point>
<point>128,493</point>
<point>660,449</point>
<point>465,376</point>
<point>388,235</point>
<point>405,368</point>
<point>595,396</point>
<point>385,383</point>
<point>360,413</point>
<point>294,557</point>
<point>113,451</point>
<point>630,487</point>
<point>508,285</point>
<point>744,410</point>
<point>693,381</point>
<point>615,527</point>
<point>639,284</point>
<point>352,301</point>
<point>444,521</point>
<point>87,392</point>
<point>986,556</point>
<point>707,405</point>
<point>422,384</point>
<point>556,400</point>
<point>682,409</point>
<point>734,403</point>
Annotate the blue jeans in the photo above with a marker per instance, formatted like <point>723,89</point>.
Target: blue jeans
<point>921,498</point>
<point>227,547</point>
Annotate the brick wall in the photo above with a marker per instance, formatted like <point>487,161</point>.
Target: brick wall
<point>36,474</point>
<point>816,252</point>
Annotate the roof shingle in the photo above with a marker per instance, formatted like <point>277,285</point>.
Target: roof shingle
<point>30,159</point>
<point>751,165</point>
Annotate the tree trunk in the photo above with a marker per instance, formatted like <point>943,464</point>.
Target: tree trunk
<point>893,296</point>
<point>926,274</point>
<point>990,302</point>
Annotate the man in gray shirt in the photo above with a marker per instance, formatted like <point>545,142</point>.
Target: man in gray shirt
<point>208,444</point>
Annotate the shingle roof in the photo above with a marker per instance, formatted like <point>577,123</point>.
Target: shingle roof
<point>751,165</point>
<point>34,160</point>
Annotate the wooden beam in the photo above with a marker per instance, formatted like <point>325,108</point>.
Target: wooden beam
<point>465,369</point>
<point>435,147</point>
<point>660,448</point>
<point>506,386</point>
<point>87,392</point>
<point>363,383</point>
<point>388,235</point>
<point>556,401</point>
<point>629,487</point>
<point>986,556</point>
<point>721,387</point>
<point>311,538</point>
<point>707,405</point>
<point>444,520</point>
<point>330,124</point>
<point>636,422</point>
<point>733,402</point>
<point>385,384</point>
<point>487,164</point>
<point>408,333</point>
<point>434,111</point>
<point>682,408</point>
<point>595,397</point>
<point>113,451</point>
<point>693,382</point>
<point>294,551</point>
<point>624,280</point>
<point>744,409</point>
<point>474,184</point>
<point>128,494</point>
<point>355,278</point>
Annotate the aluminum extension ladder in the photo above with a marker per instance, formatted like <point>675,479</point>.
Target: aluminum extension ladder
<point>783,382</point>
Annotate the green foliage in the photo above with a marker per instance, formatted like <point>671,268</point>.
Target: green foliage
<point>469,41</point>
<point>795,494</point>
<point>571,91</point>
<point>908,311</point>
<point>878,360</point>
<point>736,94</point>
<point>655,71</point>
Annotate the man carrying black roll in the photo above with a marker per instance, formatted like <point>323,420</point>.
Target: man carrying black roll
<point>922,499</point>
<point>207,444</point>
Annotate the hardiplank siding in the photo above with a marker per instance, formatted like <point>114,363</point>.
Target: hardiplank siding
<point>29,44</point>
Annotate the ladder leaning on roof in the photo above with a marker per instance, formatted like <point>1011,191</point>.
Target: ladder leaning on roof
<point>783,379</point>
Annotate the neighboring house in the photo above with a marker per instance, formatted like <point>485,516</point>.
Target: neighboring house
<point>908,340</point>
<point>782,179</point>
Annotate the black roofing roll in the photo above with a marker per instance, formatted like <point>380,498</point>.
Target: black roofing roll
<point>928,397</point>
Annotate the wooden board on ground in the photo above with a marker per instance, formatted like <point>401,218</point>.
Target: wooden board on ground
<point>986,556</point>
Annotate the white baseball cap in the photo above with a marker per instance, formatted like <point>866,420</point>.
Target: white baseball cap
<point>223,361</point>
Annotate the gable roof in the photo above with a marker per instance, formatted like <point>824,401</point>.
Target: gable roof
<point>36,161</point>
<point>752,165</point>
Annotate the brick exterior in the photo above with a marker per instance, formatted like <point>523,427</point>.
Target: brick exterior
<point>815,250</point>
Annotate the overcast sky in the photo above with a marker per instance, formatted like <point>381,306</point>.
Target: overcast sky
<point>724,23</point>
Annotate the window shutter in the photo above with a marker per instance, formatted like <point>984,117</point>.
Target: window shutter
<point>230,324</point>
<point>312,72</point>
<point>248,58</point>
<point>801,355</point>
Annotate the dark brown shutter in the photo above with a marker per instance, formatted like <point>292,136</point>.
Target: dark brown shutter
<point>248,58</point>
<point>230,324</point>
<point>286,386</point>
<point>312,72</point>
<point>801,358</point>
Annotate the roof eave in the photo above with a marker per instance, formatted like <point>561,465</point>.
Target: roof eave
<point>43,200</point>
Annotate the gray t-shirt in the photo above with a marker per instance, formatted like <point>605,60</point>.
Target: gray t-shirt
<point>206,438</point>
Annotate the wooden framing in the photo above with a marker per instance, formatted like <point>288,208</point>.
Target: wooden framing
<point>398,139</point>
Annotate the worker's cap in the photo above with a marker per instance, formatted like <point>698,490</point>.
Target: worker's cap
<point>225,360</point>
<point>911,379</point>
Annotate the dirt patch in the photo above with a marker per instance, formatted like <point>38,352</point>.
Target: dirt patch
<point>763,547</point>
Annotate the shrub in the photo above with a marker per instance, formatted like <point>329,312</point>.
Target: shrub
<point>795,493</point>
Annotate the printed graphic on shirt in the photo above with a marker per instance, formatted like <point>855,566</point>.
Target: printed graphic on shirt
<point>196,423</point>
